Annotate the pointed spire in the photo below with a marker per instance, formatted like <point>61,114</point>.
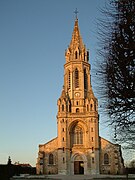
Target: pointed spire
<point>76,41</point>
<point>76,51</point>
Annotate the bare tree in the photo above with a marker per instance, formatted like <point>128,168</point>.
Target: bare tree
<point>117,70</point>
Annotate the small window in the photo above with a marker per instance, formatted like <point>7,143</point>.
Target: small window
<point>62,107</point>
<point>76,78</point>
<point>77,110</point>
<point>63,138</point>
<point>93,160</point>
<point>77,103</point>
<point>50,158</point>
<point>41,161</point>
<point>63,149</point>
<point>87,55</point>
<point>69,106</point>
<point>63,160</point>
<point>106,158</point>
<point>69,80</point>
<point>92,129</point>
<point>63,129</point>
<point>91,106</point>
<point>85,79</point>
<point>92,149</point>
<point>76,54</point>
<point>87,107</point>
<point>92,139</point>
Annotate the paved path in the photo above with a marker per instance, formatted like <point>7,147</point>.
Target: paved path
<point>73,177</point>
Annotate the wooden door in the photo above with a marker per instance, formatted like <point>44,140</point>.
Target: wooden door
<point>78,167</point>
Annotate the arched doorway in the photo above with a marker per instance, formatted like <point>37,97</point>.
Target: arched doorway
<point>78,167</point>
<point>78,164</point>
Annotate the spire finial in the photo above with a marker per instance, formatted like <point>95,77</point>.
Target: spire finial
<point>76,12</point>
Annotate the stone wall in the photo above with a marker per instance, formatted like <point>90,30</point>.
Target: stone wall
<point>43,166</point>
<point>115,163</point>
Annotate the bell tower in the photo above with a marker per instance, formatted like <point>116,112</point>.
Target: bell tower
<point>77,117</point>
<point>77,81</point>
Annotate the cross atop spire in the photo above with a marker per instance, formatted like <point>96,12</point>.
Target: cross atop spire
<point>76,12</point>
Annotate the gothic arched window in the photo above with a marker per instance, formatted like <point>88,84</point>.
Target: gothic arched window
<point>85,80</point>
<point>69,80</point>
<point>76,78</point>
<point>77,135</point>
<point>76,54</point>
<point>51,159</point>
<point>69,106</point>
<point>106,158</point>
<point>62,107</point>
<point>87,107</point>
<point>91,107</point>
<point>87,55</point>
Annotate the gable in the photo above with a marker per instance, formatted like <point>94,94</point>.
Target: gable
<point>52,144</point>
<point>107,145</point>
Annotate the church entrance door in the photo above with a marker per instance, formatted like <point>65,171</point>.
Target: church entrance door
<point>78,167</point>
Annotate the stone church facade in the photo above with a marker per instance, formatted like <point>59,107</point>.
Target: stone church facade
<point>78,148</point>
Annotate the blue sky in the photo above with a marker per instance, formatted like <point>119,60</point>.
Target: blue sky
<point>33,37</point>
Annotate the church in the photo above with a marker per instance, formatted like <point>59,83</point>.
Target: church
<point>78,148</point>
